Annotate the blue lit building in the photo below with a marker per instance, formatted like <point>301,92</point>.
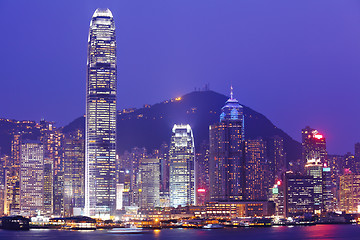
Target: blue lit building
<point>227,154</point>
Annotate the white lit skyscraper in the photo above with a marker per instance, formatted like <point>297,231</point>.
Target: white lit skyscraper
<point>100,150</point>
<point>182,162</point>
<point>31,177</point>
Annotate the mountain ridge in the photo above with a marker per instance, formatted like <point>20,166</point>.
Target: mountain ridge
<point>151,126</point>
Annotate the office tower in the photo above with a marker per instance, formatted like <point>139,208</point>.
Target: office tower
<point>2,184</point>
<point>12,178</point>
<point>257,170</point>
<point>136,156</point>
<point>276,156</point>
<point>15,149</point>
<point>277,196</point>
<point>100,181</point>
<point>31,177</point>
<point>51,139</point>
<point>150,183</point>
<point>314,169</point>
<point>327,190</point>
<point>349,194</point>
<point>227,154</point>
<point>202,173</point>
<point>299,194</point>
<point>313,145</point>
<point>182,164</point>
<point>357,158</point>
<point>349,162</point>
<point>74,172</point>
<point>164,167</point>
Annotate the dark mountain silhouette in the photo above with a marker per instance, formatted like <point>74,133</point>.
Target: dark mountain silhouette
<point>8,127</point>
<point>150,126</point>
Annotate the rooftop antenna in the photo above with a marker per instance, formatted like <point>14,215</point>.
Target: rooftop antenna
<point>231,93</point>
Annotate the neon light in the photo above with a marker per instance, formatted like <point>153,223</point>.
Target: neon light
<point>318,136</point>
<point>278,183</point>
<point>201,190</point>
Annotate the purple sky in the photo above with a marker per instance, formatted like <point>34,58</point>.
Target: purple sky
<point>296,62</point>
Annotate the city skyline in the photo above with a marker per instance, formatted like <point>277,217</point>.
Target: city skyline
<point>322,57</point>
<point>200,160</point>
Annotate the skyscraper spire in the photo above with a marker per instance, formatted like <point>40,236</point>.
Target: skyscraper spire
<point>231,93</point>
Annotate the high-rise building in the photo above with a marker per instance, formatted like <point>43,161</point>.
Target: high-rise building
<point>357,158</point>
<point>164,167</point>
<point>276,157</point>
<point>202,173</point>
<point>349,194</point>
<point>349,162</point>
<point>327,190</point>
<point>74,172</point>
<point>150,183</point>
<point>100,157</point>
<point>314,168</point>
<point>315,156</point>
<point>257,170</point>
<point>313,145</point>
<point>31,177</point>
<point>227,154</point>
<point>51,139</point>
<point>299,194</point>
<point>182,166</point>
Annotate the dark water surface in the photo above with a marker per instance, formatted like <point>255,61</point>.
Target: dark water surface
<point>292,233</point>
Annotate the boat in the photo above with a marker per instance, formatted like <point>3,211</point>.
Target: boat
<point>15,223</point>
<point>130,230</point>
<point>213,226</point>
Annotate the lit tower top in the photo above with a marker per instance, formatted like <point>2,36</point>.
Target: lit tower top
<point>232,110</point>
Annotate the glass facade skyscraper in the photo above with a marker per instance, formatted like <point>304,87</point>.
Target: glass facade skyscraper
<point>31,177</point>
<point>100,183</point>
<point>182,166</point>
<point>227,154</point>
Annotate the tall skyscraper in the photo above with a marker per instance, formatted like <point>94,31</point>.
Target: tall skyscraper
<point>313,145</point>
<point>349,194</point>
<point>100,181</point>
<point>31,177</point>
<point>51,139</point>
<point>227,154</point>
<point>314,169</point>
<point>74,172</point>
<point>315,156</point>
<point>257,170</point>
<point>276,156</point>
<point>150,182</point>
<point>299,194</point>
<point>182,166</point>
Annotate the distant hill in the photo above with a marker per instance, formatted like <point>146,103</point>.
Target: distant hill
<point>28,129</point>
<point>150,126</point>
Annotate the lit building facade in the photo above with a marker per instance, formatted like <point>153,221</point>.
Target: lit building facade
<point>182,166</point>
<point>100,146</point>
<point>227,154</point>
<point>276,157</point>
<point>313,145</point>
<point>349,194</point>
<point>327,190</point>
<point>51,139</point>
<point>74,172</point>
<point>314,168</point>
<point>150,183</point>
<point>299,194</point>
<point>31,177</point>
<point>257,170</point>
